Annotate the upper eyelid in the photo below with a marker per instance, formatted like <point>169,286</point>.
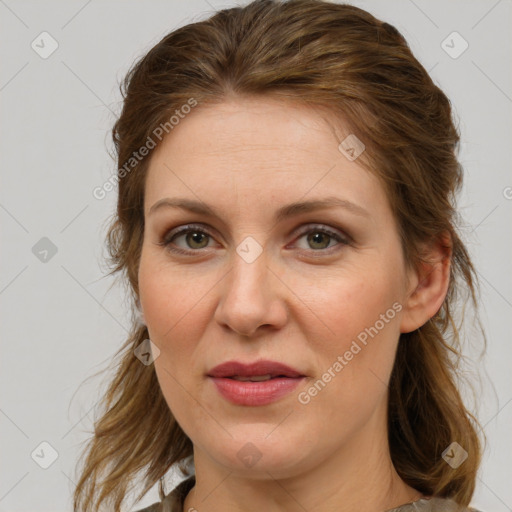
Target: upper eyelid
<point>185,228</point>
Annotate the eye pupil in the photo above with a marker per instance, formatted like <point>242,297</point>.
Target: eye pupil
<point>316,237</point>
<point>195,237</point>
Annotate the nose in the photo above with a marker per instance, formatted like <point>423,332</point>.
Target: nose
<point>253,298</point>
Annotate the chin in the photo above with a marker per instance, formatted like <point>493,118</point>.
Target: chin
<point>254,454</point>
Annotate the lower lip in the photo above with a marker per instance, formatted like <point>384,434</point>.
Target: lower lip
<point>255,393</point>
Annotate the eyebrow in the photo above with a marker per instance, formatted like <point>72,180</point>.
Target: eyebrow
<point>282,213</point>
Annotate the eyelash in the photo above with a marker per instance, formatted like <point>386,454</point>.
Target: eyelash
<point>168,237</point>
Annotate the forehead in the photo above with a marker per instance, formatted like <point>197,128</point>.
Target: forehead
<point>257,147</point>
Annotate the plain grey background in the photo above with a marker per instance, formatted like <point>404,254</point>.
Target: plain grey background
<point>60,323</point>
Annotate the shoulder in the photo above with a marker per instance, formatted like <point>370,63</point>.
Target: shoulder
<point>173,502</point>
<point>433,504</point>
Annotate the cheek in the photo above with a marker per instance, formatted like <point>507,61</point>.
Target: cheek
<point>174,309</point>
<point>355,343</point>
<point>177,313</point>
<point>343,306</point>
<point>172,299</point>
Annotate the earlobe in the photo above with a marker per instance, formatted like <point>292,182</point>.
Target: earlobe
<point>429,286</point>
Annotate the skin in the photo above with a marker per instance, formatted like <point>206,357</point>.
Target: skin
<point>300,302</point>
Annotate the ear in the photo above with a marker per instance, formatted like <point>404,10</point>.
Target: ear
<point>428,285</point>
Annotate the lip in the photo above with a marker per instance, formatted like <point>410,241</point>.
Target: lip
<point>284,380</point>
<point>262,367</point>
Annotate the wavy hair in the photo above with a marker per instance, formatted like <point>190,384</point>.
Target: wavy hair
<point>340,59</point>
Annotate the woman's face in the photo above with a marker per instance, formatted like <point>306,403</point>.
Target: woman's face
<point>319,290</point>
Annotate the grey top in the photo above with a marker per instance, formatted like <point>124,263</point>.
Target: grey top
<point>173,502</point>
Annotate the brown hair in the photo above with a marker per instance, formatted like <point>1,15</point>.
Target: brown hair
<point>341,59</point>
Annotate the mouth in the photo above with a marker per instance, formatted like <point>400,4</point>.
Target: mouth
<point>258,370</point>
<point>254,384</point>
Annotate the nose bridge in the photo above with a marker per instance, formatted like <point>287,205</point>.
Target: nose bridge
<point>249,296</point>
<point>249,274</point>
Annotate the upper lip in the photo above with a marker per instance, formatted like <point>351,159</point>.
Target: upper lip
<point>262,367</point>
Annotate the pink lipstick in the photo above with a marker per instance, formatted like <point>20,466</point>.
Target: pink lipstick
<point>254,384</point>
